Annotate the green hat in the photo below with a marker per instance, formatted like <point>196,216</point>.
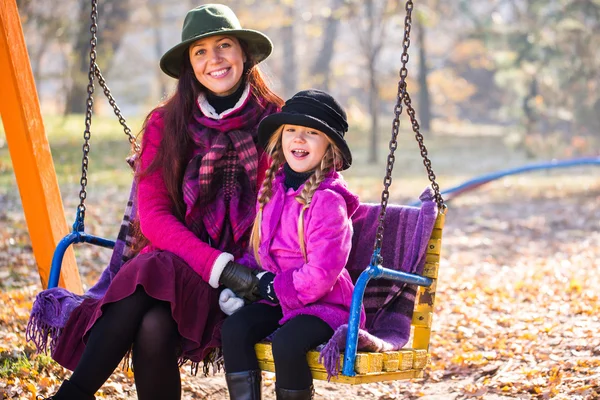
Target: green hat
<point>210,20</point>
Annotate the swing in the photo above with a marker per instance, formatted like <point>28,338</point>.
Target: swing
<point>404,262</point>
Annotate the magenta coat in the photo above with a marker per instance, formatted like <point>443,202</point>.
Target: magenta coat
<point>321,286</point>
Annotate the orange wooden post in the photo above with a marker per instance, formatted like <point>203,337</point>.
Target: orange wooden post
<point>30,151</point>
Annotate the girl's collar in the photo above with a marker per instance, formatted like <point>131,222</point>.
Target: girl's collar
<point>210,112</point>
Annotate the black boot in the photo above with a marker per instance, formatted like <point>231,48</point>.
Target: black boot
<point>288,394</point>
<point>68,391</point>
<point>245,385</point>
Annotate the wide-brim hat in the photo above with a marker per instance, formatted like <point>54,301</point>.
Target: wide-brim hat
<point>314,109</point>
<point>211,20</point>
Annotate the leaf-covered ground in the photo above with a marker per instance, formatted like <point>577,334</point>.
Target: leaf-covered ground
<point>516,313</point>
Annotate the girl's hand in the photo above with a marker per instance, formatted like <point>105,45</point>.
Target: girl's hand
<point>265,286</point>
<point>229,302</point>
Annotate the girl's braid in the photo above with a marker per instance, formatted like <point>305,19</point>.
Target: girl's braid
<point>266,190</point>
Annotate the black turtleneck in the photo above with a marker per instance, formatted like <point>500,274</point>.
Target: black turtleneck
<point>294,179</point>
<point>222,103</point>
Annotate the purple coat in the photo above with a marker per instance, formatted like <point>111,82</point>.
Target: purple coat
<point>322,286</point>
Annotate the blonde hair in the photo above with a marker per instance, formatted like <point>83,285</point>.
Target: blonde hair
<point>332,159</point>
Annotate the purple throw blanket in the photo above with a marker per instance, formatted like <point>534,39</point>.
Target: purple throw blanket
<point>389,305</point>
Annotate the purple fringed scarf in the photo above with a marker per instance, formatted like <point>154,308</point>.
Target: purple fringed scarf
<point>389,305</point>
<point>219,186</point>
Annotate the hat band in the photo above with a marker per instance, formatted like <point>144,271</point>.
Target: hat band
<point>210,31</point>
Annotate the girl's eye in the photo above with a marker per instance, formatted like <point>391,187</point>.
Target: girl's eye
<point>200,52</point>
<point>313,132</point>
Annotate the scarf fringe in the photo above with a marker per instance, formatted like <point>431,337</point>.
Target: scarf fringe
<point>40,333</point>
<point>330,358</point>
<point>214,361</point>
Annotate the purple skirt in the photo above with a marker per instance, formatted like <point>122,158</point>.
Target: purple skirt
<point>164,276</point>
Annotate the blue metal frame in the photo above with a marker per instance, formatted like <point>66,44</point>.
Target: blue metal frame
<point>373,271</point>
<point>483,179</point>
<point>76,236</point>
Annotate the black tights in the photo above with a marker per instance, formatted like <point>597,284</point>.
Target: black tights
<point>242,330</point>
<point>145,323</point>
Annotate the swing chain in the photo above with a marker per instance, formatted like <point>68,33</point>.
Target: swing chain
<point>81,208</point>
<point>426,161</point>
<point>402,96</point>
<point>116,109</point>
<point>95,71</point>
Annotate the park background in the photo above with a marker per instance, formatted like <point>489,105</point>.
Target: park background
<point>496,84</point>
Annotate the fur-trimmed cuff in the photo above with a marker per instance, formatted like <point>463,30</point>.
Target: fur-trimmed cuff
<point>286,291</point>
<point>218,267</point>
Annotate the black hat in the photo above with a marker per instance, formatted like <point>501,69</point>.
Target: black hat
<point>314,109</point>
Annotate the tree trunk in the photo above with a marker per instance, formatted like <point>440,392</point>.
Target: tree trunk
<point>112,24</point>
<point>289,74</point>
<point>373,110</point>
<point>373,87</point>
<point>424,98</point>
<point>321,69</point>
<point>157,12</point>
<point>80,64</point>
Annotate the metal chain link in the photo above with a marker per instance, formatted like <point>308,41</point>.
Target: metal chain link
<point>116,109</point>
<point>95,71</point>
<point>402,96</point>
<point>79,222</point>
<point>426,161</point>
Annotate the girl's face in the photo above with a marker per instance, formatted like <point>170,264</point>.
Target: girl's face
<point>303,148</point>
<point>218,63</point>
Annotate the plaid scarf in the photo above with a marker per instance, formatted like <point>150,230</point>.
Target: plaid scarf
<point>220,181</point>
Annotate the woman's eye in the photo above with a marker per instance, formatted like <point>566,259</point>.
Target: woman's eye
<point>225,45</point>
<point>200,52</point>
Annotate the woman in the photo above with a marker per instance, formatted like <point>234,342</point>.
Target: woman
<point>198,175</point>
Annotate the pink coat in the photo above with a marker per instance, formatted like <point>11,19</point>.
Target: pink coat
<point>321,286</point>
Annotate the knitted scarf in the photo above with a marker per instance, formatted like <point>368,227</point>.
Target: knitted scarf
<point>219,184</point>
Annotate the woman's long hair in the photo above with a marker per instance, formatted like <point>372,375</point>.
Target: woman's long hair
<point>332,159</point>
<point>176,112</point>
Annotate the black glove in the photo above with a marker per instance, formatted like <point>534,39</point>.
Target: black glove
<point>266,289</point>
<point>241,280</point>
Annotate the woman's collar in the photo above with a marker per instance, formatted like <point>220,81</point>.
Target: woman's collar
<point>210,112</point>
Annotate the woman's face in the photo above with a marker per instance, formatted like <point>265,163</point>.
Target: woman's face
<point>218,63</point>
<point>303,148</point>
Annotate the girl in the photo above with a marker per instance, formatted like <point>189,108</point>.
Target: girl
<point>198,175</point>
<point>301,239</point>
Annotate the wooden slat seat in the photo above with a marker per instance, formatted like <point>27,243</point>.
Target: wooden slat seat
<point>369,367</point>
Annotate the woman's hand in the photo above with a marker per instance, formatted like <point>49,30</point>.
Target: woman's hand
<point>241,280</point>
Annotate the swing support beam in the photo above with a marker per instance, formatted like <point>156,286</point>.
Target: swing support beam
<point>30,151</point>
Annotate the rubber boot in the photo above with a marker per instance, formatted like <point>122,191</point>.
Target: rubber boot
<point>245,385</point>
<point>288,394</point>
<point>69,391</point>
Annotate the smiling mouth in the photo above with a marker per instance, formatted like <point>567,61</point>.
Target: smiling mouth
<point>300,153</point>
<point>220,73</point>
